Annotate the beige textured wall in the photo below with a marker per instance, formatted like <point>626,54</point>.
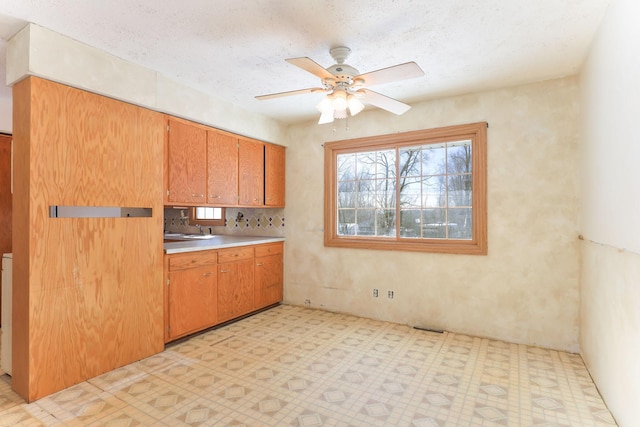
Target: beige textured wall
<point>39,51</point>
<point>6,110</point>
<point>610,211</point>
<point>525,290</point>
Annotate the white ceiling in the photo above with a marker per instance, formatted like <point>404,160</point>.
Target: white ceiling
<point>236,49</point>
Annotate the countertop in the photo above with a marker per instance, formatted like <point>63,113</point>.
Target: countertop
<point>217,242</point>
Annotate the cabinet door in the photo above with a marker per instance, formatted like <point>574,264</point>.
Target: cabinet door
<point>274,167</point>
<point>187,163</point>
<point>251,173</point>
<point>192,300</point>
<point>268,288</point>
<point>222,169</point>
<point>235,289</point>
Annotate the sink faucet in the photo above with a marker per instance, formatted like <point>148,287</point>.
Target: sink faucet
<point>199,227</point>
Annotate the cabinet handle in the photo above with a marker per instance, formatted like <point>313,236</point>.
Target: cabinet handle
<point>208,274</point>
<point>259,264</point>
<point>211,196</point>
<point>197,195</point>
<point>224,271</point>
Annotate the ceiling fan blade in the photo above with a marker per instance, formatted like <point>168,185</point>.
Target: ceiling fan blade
<point>311,66</point>
<point>408,70</point>
<point>384,102</point>
<point>292,92</point>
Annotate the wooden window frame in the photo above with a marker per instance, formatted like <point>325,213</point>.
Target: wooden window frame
<point>477,245</point>
<point>206,222</point>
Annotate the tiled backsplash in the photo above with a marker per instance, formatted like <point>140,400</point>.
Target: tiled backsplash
<point>254,222</point>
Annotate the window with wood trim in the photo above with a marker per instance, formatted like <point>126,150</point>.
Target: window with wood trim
<point>207,216</point>
<point>415,191</point>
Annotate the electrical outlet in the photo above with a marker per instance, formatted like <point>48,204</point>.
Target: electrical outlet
<point>307,302</point>
<point>390,294</point>
<point>375,293</point>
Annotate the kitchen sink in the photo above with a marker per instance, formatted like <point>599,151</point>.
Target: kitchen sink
<point>179,236</point>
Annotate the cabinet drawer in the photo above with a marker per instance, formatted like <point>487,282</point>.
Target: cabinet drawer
<point>235,254</point>
<point>269,249</point>
<point>192,259</point>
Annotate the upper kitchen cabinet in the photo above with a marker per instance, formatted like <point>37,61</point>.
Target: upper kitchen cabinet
<point>222,169</point>
<point>274,167</point>
<point>186,163</point>
<point>251,172</point>
<point>210,167</point>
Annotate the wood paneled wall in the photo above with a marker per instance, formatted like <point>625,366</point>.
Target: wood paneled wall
<point>88,293</point>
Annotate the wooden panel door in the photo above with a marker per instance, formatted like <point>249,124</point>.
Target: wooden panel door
<point>192,300</point>
<point>274,175</point>
<point>187,163</point>
<point>89,291</point>
<point>235,289</point>
<point>268,287</point>
<point>222,169</point>
<point>251,173</point>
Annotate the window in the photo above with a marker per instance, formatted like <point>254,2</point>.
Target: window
<point>209,216</point>
<point>416,191</point>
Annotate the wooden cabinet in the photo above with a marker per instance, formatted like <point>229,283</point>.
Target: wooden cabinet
<point>250,172</point>
<point>206,288</point>
<point>235,282</point>
<point>222,169</point>
<point>268,275</point>
<point>186,163</point>
<point>209,167</point>
<point>192,293</point>
<point>274,172</point>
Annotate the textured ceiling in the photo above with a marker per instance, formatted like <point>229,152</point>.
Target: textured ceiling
<point>235,50</point>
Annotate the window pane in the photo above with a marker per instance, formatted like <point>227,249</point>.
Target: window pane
<point>346,167</point>
<point>346,222</point>
<point>460,190</point>
<point>459,157</point>
<point>208,213</point>
<point>433,192</point>
<point>410,161</point>
<point>410,223</point>
<point>411,193</point>
<point>365,165</point>
<point>434,225</point>
<point>385,164</point>
<point>386,193</point>
<point>366,194</point>
<point>386,222</point>
<point>433,159</point>
<point>346,194</point>
<point>461,225</point>
<point>365,222</point>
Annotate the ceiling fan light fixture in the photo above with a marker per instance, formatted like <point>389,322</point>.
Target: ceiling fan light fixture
<point>355,106</point>
<point>339,100</point>
<point>325,106</point>
<point>326,117</point>
<point>340,114</point>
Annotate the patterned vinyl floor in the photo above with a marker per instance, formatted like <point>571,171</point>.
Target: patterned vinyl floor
<point>293,366</point>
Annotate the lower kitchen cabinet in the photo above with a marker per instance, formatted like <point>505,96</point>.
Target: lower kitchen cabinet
<point>206,288</point>
<point>235,283</point>
<point>193,300</point>
<point>269,275</point>
<point>192,293</point>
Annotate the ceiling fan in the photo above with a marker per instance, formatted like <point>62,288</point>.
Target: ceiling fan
<point>346,88</point>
